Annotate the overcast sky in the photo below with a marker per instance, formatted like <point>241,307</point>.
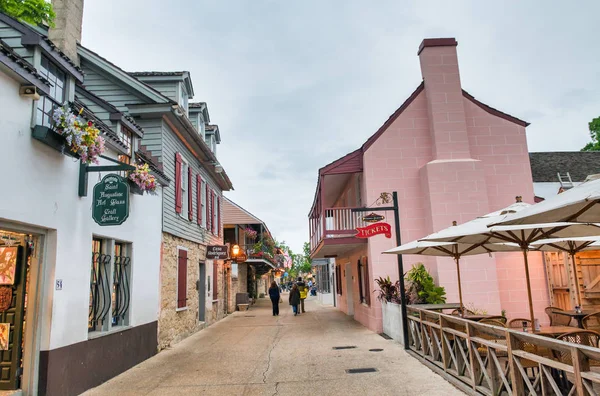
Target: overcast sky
<point>295,85</point>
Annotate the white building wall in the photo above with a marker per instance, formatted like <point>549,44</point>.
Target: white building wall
<point>40,188</point>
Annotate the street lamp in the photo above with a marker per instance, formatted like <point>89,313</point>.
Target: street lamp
<point>235,250</point>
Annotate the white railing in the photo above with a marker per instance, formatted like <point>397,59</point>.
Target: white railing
<point>337,223</point>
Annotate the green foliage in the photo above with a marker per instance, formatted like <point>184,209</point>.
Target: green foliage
<point>388,291</point>
<point>35,12</point>
<point>423,289</point>
<point>594,128</point>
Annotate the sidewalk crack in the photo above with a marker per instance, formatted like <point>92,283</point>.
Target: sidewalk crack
<point>276,389</point>
<point>275,341</point>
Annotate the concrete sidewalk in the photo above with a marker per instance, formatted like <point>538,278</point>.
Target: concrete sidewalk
<point>254,353</point>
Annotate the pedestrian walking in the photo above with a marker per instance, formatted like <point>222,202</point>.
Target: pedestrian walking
<point>275,296</point>
<point>303,292</point>
<point>295,299</point>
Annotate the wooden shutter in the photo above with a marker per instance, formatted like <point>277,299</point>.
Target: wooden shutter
<point>190,195</point>
<point>338,279</point>
<point>218,216</point>
<point>212,211</point>
<point>215,279</point>
<point>178,196</point>
<point>182,279</point>
<point>367,281</point>
<point>207,208</point>
<point>361,290</point>
<point>199,198</point>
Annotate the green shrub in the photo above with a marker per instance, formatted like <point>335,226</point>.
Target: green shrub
<point>422,285</point>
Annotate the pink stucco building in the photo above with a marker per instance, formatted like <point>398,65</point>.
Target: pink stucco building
<point>449,157</point>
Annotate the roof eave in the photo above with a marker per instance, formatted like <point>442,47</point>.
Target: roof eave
<point>24,75</point>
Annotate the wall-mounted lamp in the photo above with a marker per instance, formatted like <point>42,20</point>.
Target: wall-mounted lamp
<point>235,250</point>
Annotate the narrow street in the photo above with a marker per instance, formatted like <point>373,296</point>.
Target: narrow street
<point>254,353</point>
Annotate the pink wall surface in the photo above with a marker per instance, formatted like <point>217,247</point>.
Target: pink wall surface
<point>450,159</point>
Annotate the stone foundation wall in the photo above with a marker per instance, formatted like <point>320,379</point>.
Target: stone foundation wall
<point>175,325</point>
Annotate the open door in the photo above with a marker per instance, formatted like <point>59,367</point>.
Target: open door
<point>202,292</point>
<point>13,269</point>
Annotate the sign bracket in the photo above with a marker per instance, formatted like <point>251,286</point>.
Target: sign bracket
<point>84,169</point>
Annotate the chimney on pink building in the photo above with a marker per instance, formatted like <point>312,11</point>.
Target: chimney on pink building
<point>439,68</point>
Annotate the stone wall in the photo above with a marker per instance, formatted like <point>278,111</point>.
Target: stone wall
<point>175,325</point>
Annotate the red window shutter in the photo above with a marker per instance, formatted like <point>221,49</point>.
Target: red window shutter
<point>178,197</point>
<point>199,198</point>
<point>207,208</point>
<point>218,216</point>
<point>212,211</point>
<point>182,279</point>
<point>215,279</point>
<point>190,195</point>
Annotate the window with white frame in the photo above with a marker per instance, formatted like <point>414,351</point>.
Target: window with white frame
<point>203,199</point>
<point>184,188</point>
<point>183,98</point>
<point>47,104</point>
<point>110,285</point>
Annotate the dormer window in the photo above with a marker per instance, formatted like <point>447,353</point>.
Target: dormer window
<point>47,104</point>
<point>183,98</point>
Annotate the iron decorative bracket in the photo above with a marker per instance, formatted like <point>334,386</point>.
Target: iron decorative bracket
<point>84,169</point>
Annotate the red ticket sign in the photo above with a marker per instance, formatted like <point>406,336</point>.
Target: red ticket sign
<point>374,229</point>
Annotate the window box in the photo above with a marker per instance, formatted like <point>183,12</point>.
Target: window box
<point>134,188</point>
<point>51,138</point>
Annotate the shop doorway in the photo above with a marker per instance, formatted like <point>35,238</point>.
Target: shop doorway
<point>202,292</point>
<point>15,259</point>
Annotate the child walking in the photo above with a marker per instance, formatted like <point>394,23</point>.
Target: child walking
<point>295,299</point>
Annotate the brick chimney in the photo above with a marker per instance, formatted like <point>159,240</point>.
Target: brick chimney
<point>67,31</point>
<point>439,68</point>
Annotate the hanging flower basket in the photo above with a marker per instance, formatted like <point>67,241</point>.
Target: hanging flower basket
<point>81,138</point>
<point>140,180</point>
<point>250,233</point>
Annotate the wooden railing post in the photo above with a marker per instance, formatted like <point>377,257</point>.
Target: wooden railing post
<point>475,369</point>
<point>423,338</point>
<point>518,387</point>
<point>445,352</point>
<point>580,363</point>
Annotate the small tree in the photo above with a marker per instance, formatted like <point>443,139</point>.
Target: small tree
<point>35,12</point>
<point>594,128</point>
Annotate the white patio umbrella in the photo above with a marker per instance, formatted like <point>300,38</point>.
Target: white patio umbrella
<point>578,204</point>
<point>454,250</point>
<point>572,246</point>
<point>523,235</point>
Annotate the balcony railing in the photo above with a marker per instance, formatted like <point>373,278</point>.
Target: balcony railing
<point>334,223</point>
<point>493,360</point>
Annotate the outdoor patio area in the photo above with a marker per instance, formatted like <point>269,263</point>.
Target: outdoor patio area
<point>496,354</point>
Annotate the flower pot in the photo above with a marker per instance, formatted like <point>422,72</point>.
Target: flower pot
<point>53,139</point>
<point>134,188</point>
<point>243,307</point>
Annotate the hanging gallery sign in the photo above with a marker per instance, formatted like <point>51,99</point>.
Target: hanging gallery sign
<point>374,229</point>
<point>111,201</point>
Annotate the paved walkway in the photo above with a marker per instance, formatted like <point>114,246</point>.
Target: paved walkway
<point>254,353</point>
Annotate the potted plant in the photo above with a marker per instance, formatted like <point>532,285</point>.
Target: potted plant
<point>140,180</point>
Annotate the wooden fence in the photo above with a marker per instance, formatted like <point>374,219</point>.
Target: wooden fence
<point>492,360</point>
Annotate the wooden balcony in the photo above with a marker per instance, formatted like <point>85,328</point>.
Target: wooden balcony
<point>335,228</point>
